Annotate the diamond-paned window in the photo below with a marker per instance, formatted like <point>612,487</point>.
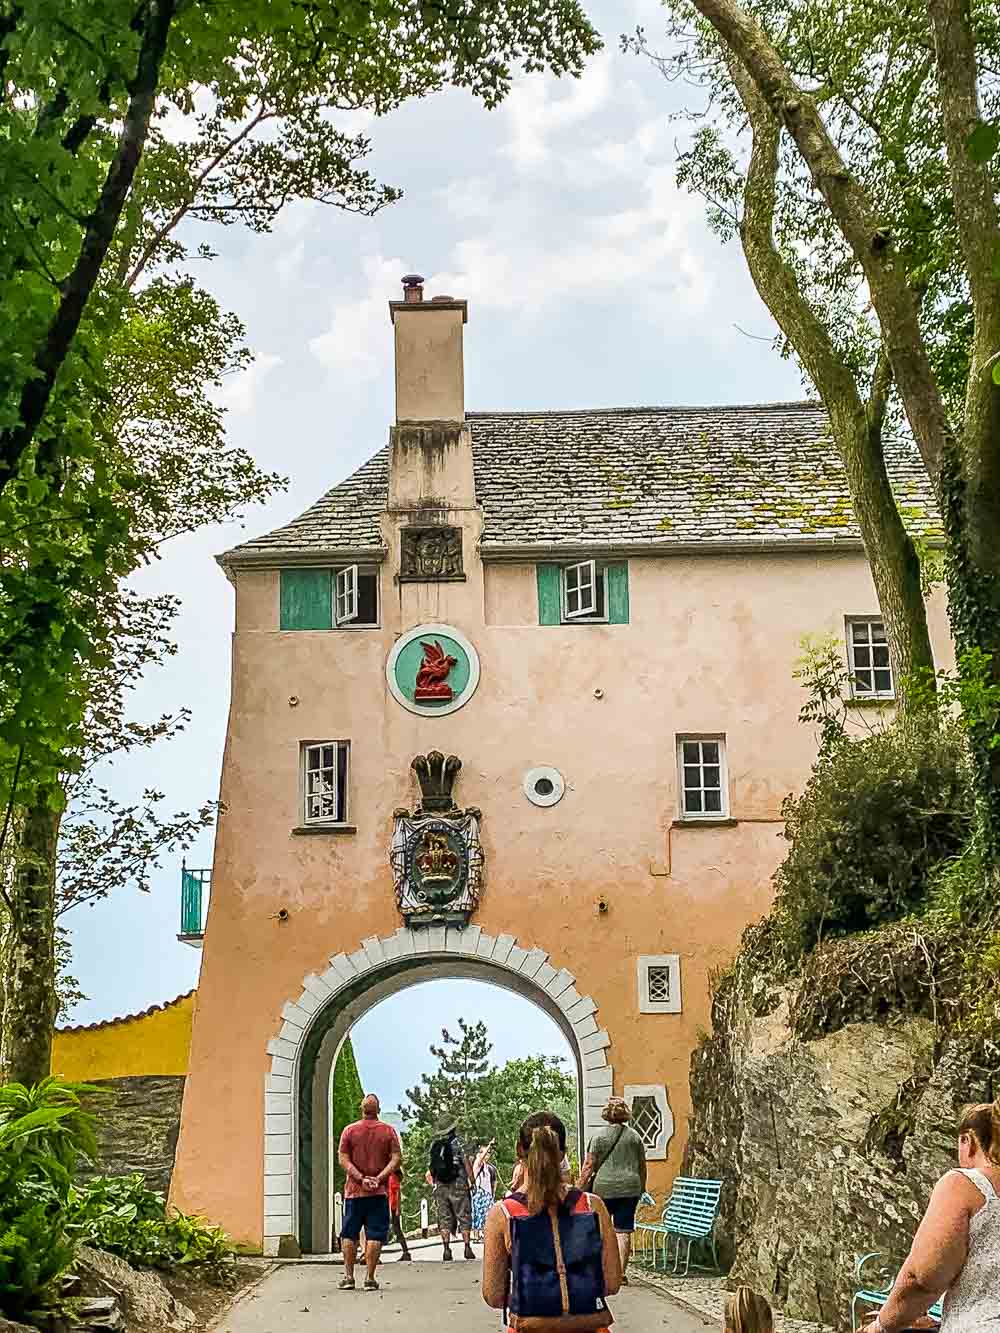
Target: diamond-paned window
<point>652,1118</point>
<point>658,985</point>
<point>659,978</point>
<point>647,1120</point>
<point>868,658</point>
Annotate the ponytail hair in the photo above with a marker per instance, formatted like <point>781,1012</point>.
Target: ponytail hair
<point>747,1311</point>
<point>984,1122</point>
<point>541,1144</point>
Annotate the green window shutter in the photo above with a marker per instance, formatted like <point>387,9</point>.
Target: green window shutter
<point>617,583</point>
<point>306,601</point>
<point>549,594</point>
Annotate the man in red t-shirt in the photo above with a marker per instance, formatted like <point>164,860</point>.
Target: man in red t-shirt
<point>370,1154</point>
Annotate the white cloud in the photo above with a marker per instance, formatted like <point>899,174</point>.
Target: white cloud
<point>356,343</point>
<point>538,109</point>
<point>239,393</point>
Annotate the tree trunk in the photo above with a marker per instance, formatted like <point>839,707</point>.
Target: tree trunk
<point>856,426</point>
<point>894,562</point>
<point>30,1007</point>
<point>4,943</point>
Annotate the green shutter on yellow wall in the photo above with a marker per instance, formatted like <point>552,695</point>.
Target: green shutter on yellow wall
<point>306,599</point>
<point>616,577</point>
<point>549,594</point>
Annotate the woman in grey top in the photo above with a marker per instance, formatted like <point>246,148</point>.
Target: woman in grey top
<point>615,1169</point>
<point>957,1246</point>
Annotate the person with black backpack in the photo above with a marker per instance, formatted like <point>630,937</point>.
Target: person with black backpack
<point>551,1259</point>
<point>451,1175</point>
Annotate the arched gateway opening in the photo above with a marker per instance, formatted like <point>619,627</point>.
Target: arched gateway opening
<point>297,1129</point>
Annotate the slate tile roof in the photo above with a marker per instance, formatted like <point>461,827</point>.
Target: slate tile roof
<point>655,477</point>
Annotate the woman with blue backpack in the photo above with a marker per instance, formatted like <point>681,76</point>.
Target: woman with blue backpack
<point>551,1259</point>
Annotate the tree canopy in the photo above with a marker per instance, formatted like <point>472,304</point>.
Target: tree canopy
<point>489,1103</point>
<point>853,148</point>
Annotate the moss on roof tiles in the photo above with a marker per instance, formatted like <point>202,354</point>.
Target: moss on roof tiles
<point>632,475</point>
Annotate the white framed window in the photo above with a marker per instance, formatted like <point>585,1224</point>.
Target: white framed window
<point>355,596</point>
<point>868,658</point>
<point>702,779</point>
<point>652,1118</point>
<point>324,775</point>
<point>584,591</point>
<point>346,595</point>
<point>659,976</point>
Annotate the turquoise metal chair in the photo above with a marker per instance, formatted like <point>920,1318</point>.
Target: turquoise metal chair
<point>689,1216</point>
<point>872,1295</point>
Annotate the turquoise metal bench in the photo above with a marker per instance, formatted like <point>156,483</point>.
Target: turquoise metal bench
<point>689,1215</point>
<point>876,1296</point>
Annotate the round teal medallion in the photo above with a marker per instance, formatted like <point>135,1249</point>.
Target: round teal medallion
<point>433,669</point>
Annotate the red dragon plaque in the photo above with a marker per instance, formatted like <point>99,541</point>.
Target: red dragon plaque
<point>432,675</point>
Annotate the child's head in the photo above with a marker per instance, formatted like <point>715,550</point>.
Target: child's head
<point>748,1312</point>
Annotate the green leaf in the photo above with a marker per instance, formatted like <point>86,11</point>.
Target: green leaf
<point>996,372</point>
<point>984,141</point>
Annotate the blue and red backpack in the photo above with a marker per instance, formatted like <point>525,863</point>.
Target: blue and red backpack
<point>556,1266</point>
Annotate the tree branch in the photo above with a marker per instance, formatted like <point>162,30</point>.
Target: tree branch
<point>773,276</point>
<point>160,235</point>
<point>856,218</point>
<point>878,395</point>
<point>97,239</point>
<point>857,430</point>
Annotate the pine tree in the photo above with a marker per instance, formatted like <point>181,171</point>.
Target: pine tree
<point>347,1094</point>
<point>450,1090</point>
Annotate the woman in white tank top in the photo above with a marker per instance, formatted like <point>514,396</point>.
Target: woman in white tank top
<point>957,1246</point>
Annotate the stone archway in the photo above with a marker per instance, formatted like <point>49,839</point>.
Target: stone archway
<point>296,1097</point>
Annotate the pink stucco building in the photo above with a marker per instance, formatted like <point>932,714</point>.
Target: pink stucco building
<point>598,613</point>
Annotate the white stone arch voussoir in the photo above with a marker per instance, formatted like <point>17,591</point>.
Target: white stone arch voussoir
<point>436,950</point>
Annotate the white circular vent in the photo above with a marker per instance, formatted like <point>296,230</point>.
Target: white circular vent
<point>544,786</point>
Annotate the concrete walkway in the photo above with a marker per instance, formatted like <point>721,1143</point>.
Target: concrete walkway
<point>421,1297</point>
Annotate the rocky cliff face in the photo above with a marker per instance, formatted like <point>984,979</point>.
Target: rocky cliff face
<point>138,1122</point>
<point>828,1144</point>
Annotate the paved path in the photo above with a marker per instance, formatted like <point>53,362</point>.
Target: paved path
<point>420,1297</point>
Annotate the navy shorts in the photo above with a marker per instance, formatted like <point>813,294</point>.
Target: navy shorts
<point>368,1211</point>
<point>623,1212</point>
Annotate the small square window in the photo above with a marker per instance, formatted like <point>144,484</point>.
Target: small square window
<point>324,771</point>
<point>703,780</point>
<point>355,596</point>
<point>868,659</point>
<point>659,977</point>
<point>584,591</point>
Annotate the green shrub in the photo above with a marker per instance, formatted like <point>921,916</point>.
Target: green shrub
<point>877,817</point>
<point>122,1215</point>
<point>43,1133</point>
<point>34,1254</point>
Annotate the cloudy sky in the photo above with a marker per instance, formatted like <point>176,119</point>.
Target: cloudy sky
<point>592,281</point>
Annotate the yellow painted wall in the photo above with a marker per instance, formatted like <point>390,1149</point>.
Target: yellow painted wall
<point>157,1042</point>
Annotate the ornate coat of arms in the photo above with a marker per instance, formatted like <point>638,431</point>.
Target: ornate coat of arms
<point>431,555</point>
<point>436,855</point>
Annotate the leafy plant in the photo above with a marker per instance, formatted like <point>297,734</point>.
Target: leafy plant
<point>875,820</point>
<point>122,1215</point>
<point>44,1131</point>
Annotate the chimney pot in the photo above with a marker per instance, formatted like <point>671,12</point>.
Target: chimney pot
<point>413,288</point>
